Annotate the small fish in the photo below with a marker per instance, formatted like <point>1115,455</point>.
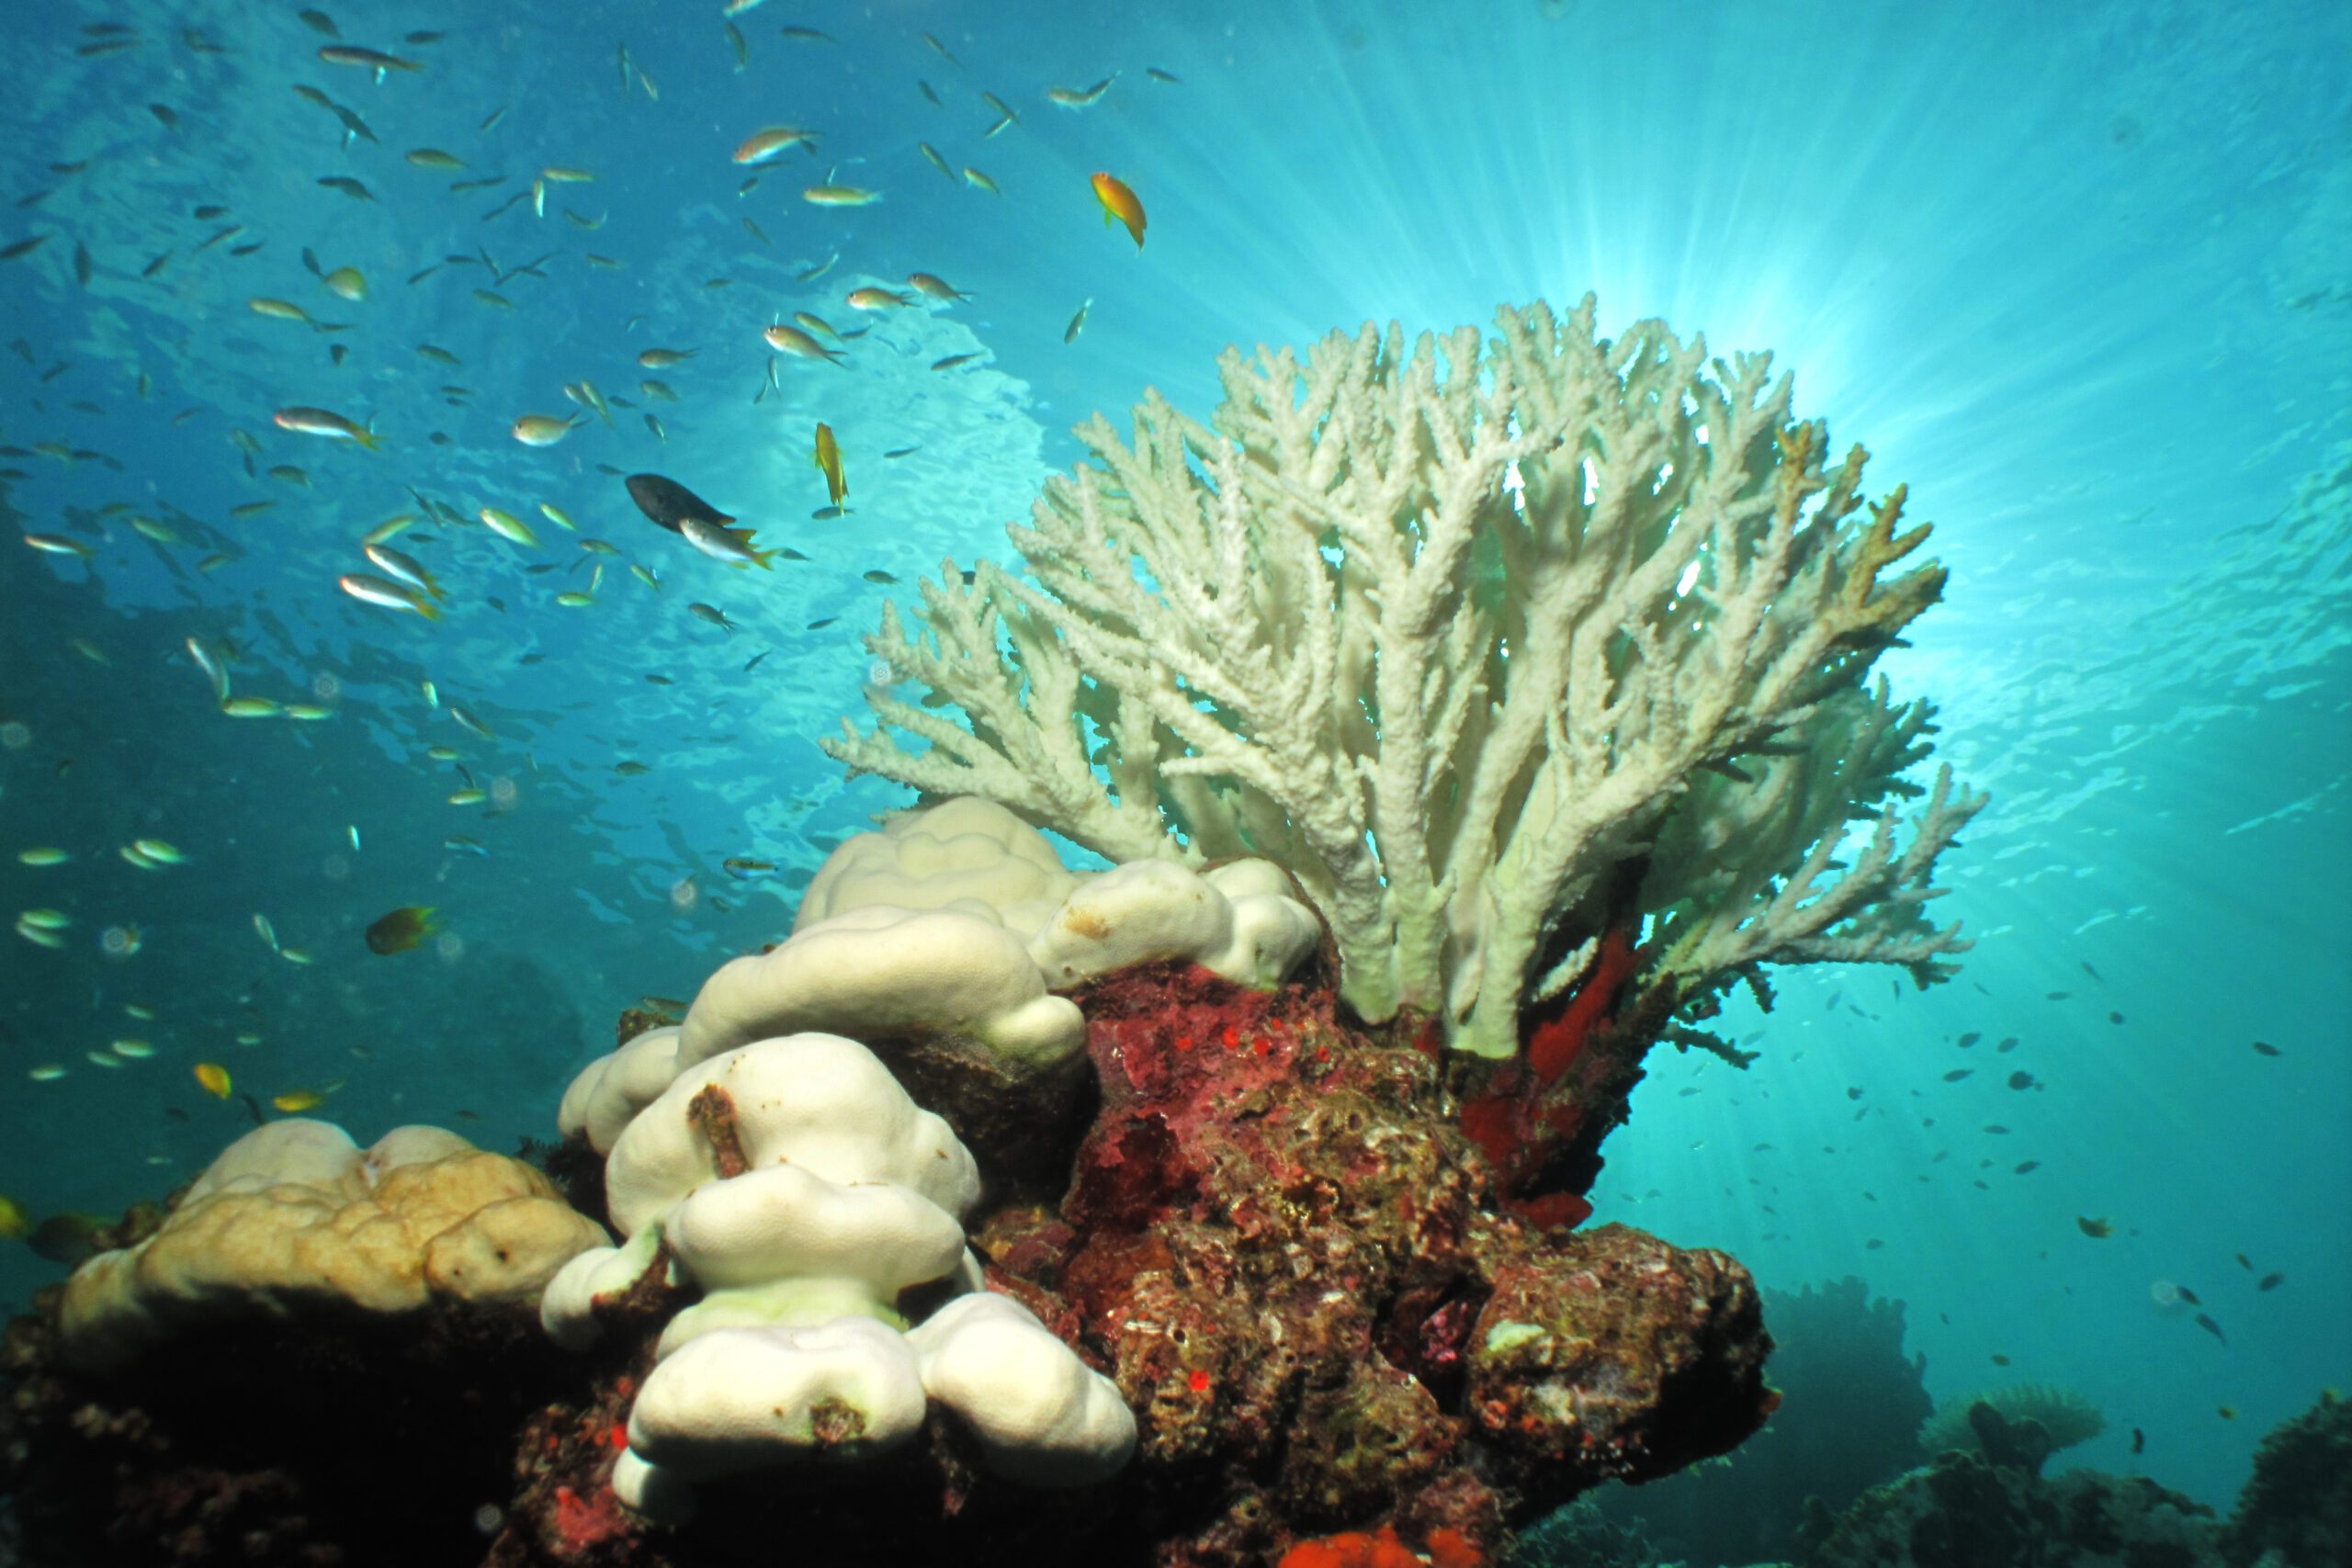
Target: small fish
<point>323,422</point>
<point>540,429</point>
<point>2262,1047</point>
<point>461,844</point>
<point>2205,1322</point>
<point>953,360</point>
<point>667,504</point>
<point>935,288</point>
<point>464,719</point>
<point>1077,322</point>
<point>406,570</point>
<point>346,282</point>
<point>2139,1440</point>
<point>941,50</point>
<point>66,1240</point>
<point>214,1077</point>
<point>662,358</point>
<point>136,1050</point>
<point>931,93</point>
<point>42,854</point>
<point>348,187</point>
<point>761,145</point>
<point>15,1220</point>
<point>434,158</point>
<point>840,195</point>
<point>2270,1281</point>
<point>942,164</point>
<point>374,59</point>
<point>471,795</point>
<point>251,707</point>
<point>712,613</point>
<point>654,424</point>
<point>282,309</point>
<point>295,1100</point>
<point>720,543</point>
<point>879,578</point>
<point>979,181</point>
<point>268,932</point>
<point>792,340</point>
<point>1080,97</point>
<point>871,298</point>
<point>808,35</point>
<point>2095,1229</point>
<point>508,527</point>
<point>1121,203</point>
<point>810,275</point>
<point>1004,112</point>
<point>49,1072</point>
<point>58,544</point>
<point>828,461</point>
<point>385,595</point>
<point>401,929</point>
<point>1156,74</point>
<point>743,869</point>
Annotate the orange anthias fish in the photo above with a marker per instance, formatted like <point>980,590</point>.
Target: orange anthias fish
<point>1121,203</point>
<point>829,462</point>
<point>214,1077</point>
<point>401,929</point>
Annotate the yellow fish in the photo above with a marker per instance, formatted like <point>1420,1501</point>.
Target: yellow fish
<point>295,1100</point>
<point>15,1220</point>
<point>829,463</point>
<point>401,929</point>
<point>214,1077</point>
<point>1121,203</point>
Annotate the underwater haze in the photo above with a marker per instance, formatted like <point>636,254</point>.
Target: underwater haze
<point>2081,275</point>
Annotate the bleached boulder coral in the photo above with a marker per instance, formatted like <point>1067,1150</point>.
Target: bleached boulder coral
<point>295,1216</point>
<point>941,942</point>
<point>798,1191</point>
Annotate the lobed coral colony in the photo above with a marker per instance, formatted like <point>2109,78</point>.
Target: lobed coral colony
<point>1461,721</point>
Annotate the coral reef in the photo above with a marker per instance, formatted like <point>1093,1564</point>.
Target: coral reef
<point>1966,1509</point>
<point>1497,645</point>
<point>1507,694</point>
<point>1269,1234</point>
<point>1850,1402</point>
<point>2297,1506</point>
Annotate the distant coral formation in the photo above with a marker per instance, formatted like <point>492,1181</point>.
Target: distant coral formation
<point>2063,1414</point>
<point>1498,644</point>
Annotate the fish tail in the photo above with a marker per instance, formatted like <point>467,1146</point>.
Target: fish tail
<point>429,609</point>
<point>761,557</point>
<point>433,586</point>
<point>368,439</point>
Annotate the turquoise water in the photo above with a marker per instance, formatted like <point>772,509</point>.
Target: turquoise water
<point>2076,273</point>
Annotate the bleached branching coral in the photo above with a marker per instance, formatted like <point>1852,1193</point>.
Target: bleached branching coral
<point>1451,633</point>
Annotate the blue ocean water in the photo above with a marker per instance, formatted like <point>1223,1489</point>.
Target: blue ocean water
<point>2077,274</point>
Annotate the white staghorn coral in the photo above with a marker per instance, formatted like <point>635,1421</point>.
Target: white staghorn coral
<point>1452,635</point>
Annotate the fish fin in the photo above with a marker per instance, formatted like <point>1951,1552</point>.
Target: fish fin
<point>429,609</point>
<point>741,535</point>
<point>368,439</point>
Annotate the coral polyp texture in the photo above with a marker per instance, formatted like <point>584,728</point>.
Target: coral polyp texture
<point>1495,643</point>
